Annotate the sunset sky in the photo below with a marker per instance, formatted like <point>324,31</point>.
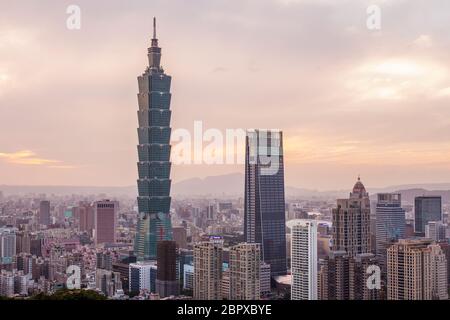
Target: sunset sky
<point>349,100</point>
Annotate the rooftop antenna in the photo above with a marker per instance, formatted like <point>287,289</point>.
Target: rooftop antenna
<point>154,27</point>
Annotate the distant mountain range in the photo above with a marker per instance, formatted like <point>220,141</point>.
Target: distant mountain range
<point>231,185</point>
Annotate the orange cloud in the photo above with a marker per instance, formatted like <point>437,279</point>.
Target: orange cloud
<point>27,157</point>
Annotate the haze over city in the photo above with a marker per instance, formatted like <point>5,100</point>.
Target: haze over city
<point>349,100</point>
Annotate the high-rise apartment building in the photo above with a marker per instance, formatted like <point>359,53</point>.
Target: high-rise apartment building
<point>244,271</point>
<point>208,257</point>
<point>390,223</point>
<point>264,197</point>
<point>304,260</point>
<point>105,221</point>
<point>351,222</point>
<point>154,223</point>
<point>426,209</point>
<point>344,277</point>
<point>44,213</point>
<point>417,270</point>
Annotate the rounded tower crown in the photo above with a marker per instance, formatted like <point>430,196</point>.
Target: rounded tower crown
<point>359,190</point>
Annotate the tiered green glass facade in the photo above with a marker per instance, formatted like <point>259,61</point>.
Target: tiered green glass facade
<point>154,223</point>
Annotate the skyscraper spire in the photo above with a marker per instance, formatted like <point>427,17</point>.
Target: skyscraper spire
<point>154,52</point>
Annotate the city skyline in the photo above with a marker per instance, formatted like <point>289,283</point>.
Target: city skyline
<point>399,73</point>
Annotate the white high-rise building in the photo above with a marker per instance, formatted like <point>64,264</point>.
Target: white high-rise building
<point>140,276</point>
<point>304,260</point>
<point>436,230</point>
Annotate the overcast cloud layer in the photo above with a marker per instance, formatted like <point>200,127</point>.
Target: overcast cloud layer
<point>349,100</point>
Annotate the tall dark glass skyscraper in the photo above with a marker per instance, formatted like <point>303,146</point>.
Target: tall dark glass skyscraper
<point>426,209</point>
<point>154,130</point>
<point>265,220</point>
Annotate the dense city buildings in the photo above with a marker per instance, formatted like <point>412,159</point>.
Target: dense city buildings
<point>426,209</point>
<point>304,261</point>
<point>154,223</point>
<point>208,258</point>
<point>351,222</point>
<point>264,197</point>
<point>244,272</point>
<point>417,270</point>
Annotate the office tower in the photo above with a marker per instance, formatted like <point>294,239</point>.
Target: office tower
<point>7,245</point>
<point>180,236</point>
<point>210,212</point>
<point>264,213</point>
<point>436,230</point>
<point>208,257</point>
<point>188,277</point>
<point>264,277</point>
<point>166,279</point>
<point>244,271</point>
<point>105,221</point>
<point>417,270</point>
<point>426,209</point>
<point>86,220</point>
<point>36,244</point>
<point>108,282</point>
<point>304,260</point>
<point>104,260</point>
<point>20,283</point>
<point>44,213</point>
<point>185,257</point>
<point>24,262</point>
<point>124,271</point>
<point>390,223</point>
<point>142,276</point>
<point>23,242</point>
<point>351,222</point>
<point>154,113</point>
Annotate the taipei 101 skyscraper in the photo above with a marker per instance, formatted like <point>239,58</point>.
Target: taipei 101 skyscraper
<point>154,130</point>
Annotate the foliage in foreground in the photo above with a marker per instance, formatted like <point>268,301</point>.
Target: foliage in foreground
<point>66,294</point>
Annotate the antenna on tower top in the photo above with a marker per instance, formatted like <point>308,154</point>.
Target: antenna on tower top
<point>154,27</point>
